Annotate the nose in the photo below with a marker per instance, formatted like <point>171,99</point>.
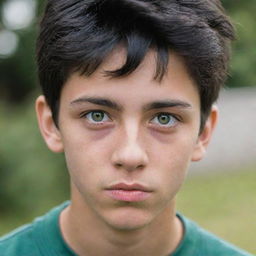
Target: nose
<point>129,154</point>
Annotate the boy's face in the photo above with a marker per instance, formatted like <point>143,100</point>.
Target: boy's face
<point>128,141</point>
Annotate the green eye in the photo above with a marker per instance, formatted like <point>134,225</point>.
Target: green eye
<point>165,120</point>
<point>97,116</point>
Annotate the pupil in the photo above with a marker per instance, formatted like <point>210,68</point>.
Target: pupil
<point>164,119</point>
<point>97,116</point>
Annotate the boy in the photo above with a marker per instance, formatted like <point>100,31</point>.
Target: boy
<point>128,93</point>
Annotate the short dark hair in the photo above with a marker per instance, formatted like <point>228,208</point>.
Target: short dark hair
<point>77,35</point>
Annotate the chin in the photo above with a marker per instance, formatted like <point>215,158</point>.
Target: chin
<point>128,219</point>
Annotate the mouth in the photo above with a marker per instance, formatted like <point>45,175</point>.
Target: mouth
<point>128,192</point>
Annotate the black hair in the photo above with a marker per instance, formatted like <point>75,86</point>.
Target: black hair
<point>77,35</point>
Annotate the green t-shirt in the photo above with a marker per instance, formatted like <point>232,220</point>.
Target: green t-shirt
<point>43,238</point>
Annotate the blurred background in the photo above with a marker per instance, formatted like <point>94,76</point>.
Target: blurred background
<point>220,192</point>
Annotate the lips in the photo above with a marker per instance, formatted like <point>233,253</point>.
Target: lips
<point>129,187</point>
<point>128,192</point>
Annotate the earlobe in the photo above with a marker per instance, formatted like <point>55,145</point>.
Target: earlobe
<point>49,131</point>
<point>205,136</point>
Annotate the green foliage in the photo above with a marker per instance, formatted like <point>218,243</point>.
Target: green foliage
<point>31,176</point>
<point>244,51</point>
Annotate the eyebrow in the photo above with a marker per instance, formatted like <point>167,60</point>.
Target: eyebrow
<point>150,106</point>
<point>98,101</point>
<point>167,104</point>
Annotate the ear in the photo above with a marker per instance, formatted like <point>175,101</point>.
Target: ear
<point>49,131</point>
<point>205,136</point>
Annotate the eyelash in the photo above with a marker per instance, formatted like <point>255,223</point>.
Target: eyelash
<point>95,123</point>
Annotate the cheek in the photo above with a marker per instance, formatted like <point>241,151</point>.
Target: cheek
<point>174,162</point>
<point>176,152</point>
<point>82,161</point>
<point>87,156</point>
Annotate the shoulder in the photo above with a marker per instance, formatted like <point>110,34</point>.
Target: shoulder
<point>18,242</point>
<point>218,246</point>
<point>41,237</point>
<point>204,243</point>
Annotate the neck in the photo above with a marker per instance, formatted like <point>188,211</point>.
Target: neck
<point>87,235</point>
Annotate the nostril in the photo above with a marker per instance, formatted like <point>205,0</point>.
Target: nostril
<point>118,165</point>
<point>126,166</point>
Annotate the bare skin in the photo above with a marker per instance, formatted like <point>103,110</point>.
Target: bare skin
<point>131,130</point>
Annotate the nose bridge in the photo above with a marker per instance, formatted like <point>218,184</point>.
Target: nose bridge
<point>131,133</point>
<point>130,153</point>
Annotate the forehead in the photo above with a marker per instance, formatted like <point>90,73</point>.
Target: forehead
<point>138,86</point>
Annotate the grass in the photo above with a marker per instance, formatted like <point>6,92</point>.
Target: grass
<point>224,203</point>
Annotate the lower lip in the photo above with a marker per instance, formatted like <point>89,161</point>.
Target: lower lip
<point>128,195</point>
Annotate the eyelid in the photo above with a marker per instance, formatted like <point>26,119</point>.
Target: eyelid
<point>168,114</point>
<point>84,113</point>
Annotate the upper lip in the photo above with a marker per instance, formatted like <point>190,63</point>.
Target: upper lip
<point>129,187</point>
